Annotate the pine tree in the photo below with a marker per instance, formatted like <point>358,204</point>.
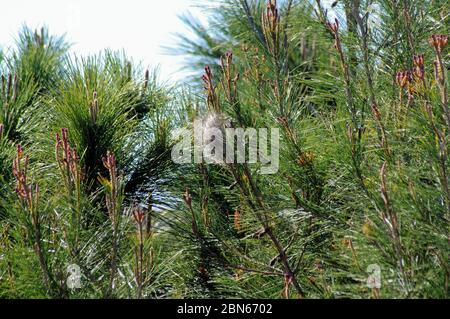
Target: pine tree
<point>358,207</point>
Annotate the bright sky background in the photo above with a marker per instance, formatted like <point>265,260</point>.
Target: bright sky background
<point>141,27</point>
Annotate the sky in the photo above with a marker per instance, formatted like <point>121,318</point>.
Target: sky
<point>141,27</point>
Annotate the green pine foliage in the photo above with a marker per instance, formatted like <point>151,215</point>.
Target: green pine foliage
<point>359,93</point>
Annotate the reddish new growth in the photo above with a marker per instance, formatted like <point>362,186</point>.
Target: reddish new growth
<point>271,18</point>
<point>419,66</point>
<point>143,260</point>
<point>403,78</point>
<point>188,201</point>
<point>334,28</point>
<point>64,153</point>
<point>271,26</point>
<point>226,61</point>
<point>110,164</point>
<point>407,78</point>
<point>20,172</point>
<point>112,195</point>
<point>139,216</point>
<point>67,158</point>
<point>438,42</point>
<point>207,78</point>
<point>237,220</point>
<point>187,198</point>
<point>229,79</point>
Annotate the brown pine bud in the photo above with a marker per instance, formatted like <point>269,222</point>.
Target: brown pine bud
<point>438,42</point>
<point>187,198</point>
<point>237,220</point>
<point>419,66</point>
<point>139,216</point>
